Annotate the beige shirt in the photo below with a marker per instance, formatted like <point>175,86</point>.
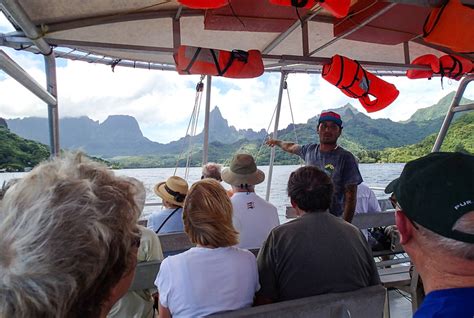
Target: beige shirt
<point>139,304</point>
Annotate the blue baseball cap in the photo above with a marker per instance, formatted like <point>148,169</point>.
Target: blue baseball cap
<point>330,116</point>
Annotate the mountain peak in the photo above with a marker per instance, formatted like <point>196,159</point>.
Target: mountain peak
<point>3,123</point>
<point>347,112</point>
<point>216,111</point>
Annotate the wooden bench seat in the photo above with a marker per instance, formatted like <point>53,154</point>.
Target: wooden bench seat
<point>362,303</point>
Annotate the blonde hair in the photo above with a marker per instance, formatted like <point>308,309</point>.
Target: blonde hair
<point>67,230</point>
<point>207,215</point>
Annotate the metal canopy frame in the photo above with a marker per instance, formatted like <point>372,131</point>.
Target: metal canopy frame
<point>32,38</point>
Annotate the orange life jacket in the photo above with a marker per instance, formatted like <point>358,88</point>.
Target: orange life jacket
<point>451,66</point>
<point>338,8</point>
<point>235,64</point>
<point>452,26</point>
<point>454,66</point>
<point>204,4</point>
<point>428,59</point>
<point>354,81</point>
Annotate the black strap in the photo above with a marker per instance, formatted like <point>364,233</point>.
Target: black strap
<point>299,3</point>
<point>166,220</point>
<point>238,55</point>
<point>216,62</point>
<point>193,59</point>
<point>456,62</point>
<point>179,197</point>
<point>438,16</point>
<point>365,78</point>
<point>341,74</point>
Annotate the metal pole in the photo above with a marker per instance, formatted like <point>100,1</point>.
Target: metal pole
<point>18,14</point>
<point>205,148</point>
<point>275,133</point>
<point>450,114</point>
<point>53,117</point>
<point>21,76</point>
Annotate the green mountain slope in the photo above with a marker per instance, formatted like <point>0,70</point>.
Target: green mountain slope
<point>460,137</point>
<point>437,110</point>
<point>17,153</point>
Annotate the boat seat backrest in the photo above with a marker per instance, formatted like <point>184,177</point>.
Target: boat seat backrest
<point>145,275</point>
<point>369,220</point>
<point>365,302</point>
<point>174,243</point>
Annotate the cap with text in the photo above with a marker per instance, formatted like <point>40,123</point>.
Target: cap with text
<point>437,190</point>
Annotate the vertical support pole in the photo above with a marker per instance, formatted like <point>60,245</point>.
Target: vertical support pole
<point>205,147</point>
<point>406,52</point>
<point>53,115</point>
<point>275,133</point>
<point>305,37</point>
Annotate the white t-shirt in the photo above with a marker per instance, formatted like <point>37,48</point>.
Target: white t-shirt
<point>203,281</point>
<point>253,218</point>
<point>366,202</point>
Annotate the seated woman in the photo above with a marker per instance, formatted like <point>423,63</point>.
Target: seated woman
<point>68,242</point>
<point>139,303</point>
<point>214,276</point>
<point>172,192</point>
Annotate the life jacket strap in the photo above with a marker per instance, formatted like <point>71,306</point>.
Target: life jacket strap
<point>191,62</point>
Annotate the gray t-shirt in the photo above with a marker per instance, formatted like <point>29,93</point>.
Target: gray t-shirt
<point>315,254</point>
<point>340,165</point>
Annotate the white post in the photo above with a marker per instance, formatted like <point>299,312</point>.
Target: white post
<point>205,147</point>
<point>275,133</point>
<point>53,116</point>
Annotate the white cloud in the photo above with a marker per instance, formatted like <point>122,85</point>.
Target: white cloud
<point>162,101</point>
<point>5,25</point>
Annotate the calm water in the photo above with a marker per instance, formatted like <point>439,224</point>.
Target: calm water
<point>375,175</point>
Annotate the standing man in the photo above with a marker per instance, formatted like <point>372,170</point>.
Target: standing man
<point>337,162</point>
<point>253,217</point>
<point>435,218</point>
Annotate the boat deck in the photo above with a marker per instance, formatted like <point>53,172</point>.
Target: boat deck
<point>400,304</point>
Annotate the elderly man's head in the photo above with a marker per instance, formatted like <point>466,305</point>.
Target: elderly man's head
<point>310,189</point>
<point>212,170</point>
<point>436,205</point>
<point>68,241</point>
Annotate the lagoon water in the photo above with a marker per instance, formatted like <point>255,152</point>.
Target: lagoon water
<point>374,175</point>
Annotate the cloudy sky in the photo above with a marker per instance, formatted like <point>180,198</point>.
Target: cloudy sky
<point>162,102</point>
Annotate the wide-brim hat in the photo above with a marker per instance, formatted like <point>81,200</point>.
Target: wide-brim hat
<point>173,190</point>
<point>242,171</point>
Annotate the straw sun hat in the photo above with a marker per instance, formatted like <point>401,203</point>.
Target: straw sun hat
<point>243,170</point>
<point>174,190</point>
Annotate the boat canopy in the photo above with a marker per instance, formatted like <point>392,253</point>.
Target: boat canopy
<point>383,36</point>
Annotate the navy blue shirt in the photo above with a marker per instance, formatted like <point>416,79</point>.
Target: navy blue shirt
<point>340,165</point>
<point>453,302</point>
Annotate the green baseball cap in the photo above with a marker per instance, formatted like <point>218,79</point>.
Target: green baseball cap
<point>436,190</point>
